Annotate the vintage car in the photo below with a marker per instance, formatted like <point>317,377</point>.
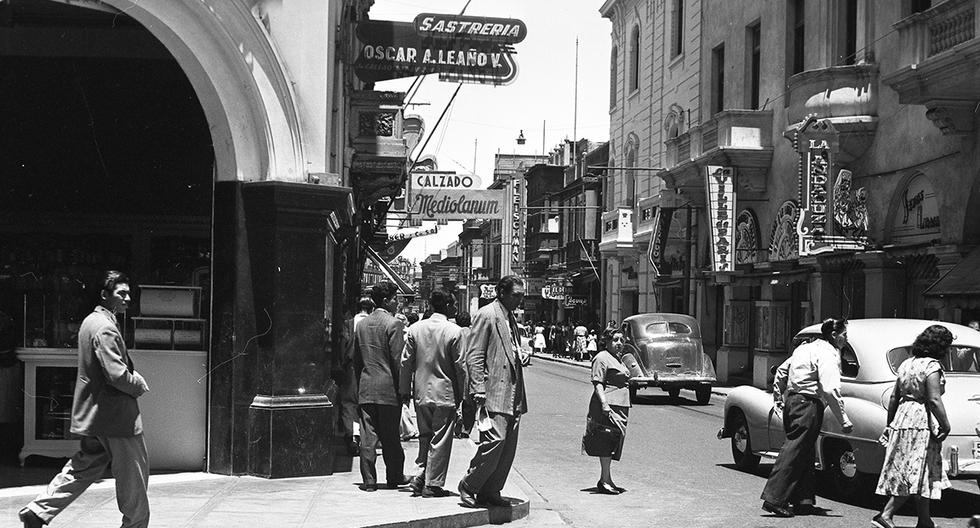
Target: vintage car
<point>850,462</point>
<point>664,350</point>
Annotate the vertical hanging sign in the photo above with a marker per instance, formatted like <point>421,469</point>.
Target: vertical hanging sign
<point>517,225</point>
<point>720,186</point>
<point>831,216</point>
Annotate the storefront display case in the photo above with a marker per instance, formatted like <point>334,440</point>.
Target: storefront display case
<point>169,318</point>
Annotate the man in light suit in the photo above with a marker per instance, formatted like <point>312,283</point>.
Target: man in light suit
<point>430,364</point>
<point>496,382</point>
<point>378,344</point>
<point>107,417</point>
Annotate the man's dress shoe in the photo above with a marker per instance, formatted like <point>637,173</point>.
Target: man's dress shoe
<point>466,496</point>
<point>30,519</point>
<point>778,511</point>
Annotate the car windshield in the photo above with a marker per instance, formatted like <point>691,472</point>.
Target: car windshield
<point>960,359</point>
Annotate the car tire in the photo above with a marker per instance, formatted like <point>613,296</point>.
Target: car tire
<point>674,394</point>
<point>703,395</point>
<point>741,443</point>
<point>841,474</point>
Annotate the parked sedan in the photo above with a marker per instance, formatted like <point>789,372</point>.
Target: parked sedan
<point>869,363</point>
<point>664,350</point>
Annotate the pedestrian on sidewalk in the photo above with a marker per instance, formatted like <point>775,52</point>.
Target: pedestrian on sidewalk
<point>378,344</point>
<point>496,383</point>
<point>430,370</point>
<point>467,409</point>
<point>539,342</point>
<point>810,376</point>
<point>917,426</point>
<point>408,429</point>
<point>106,415</point>
<point>608,411</point>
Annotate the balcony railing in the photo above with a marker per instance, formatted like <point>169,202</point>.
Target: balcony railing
<point>617,230</point>
<point>936,30</point>
<point>838,91</point>
<point>731,129</point>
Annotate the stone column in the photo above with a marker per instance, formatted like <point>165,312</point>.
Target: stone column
<point>884,285</point>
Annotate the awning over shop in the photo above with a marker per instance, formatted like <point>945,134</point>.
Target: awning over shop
<point>962,280</point>
<point>403,286</point>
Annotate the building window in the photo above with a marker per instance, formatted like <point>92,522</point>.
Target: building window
<point>613,74</point>
<point>718,79</point>
<point>847,49</point>
<point>610,191</point>
<point>797,33</point>
<point>635,59</point>
<point>677,28</point>
<point>753,41</point>
<point>630,175</point>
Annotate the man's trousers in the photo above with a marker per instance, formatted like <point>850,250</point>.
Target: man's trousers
<point>792,480</point>
<point>494,456</point>
<point>128,459</point>
<point>436,425</point>
<point>380,423</point>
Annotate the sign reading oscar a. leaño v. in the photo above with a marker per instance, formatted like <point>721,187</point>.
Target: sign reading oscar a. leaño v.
<point>391,50</point>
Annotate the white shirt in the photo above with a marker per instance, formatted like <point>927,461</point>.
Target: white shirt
<point>813,369</point>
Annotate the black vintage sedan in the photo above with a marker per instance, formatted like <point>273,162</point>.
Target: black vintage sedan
<point>664,350</point>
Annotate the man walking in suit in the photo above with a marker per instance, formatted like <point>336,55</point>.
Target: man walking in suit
<point>496,382</point>
<point>378,343</point>
<point>107,417</point>
<point>430,364</point>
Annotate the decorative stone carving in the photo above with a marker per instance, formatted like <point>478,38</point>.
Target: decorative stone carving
<point>782,239</point>
<point>674,120</point>
<point>952,118</point>
<point>850,209</point>
<point>746,237</point>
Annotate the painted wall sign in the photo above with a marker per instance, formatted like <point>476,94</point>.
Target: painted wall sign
<point>391,50</point>
<point>720,185</point>
<point>917,218</point>
<point>443,26</point>
<point>456,204</point>
<point>831,218</point>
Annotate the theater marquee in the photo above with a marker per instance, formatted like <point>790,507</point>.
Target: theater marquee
<point>720,186</point>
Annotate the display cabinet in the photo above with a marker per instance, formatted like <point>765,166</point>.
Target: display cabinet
<point>49,388</point>
<point>169,318</point>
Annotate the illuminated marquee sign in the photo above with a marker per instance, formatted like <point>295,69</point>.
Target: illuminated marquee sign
<point>505,30</point>
<point>517,224</point>
<point>831,216</point>
<point>720,186</point>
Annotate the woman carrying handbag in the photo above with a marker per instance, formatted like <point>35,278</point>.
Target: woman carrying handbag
<point>917,426</point>
<point>608,411</point>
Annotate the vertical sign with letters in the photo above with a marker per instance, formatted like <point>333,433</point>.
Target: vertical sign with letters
<point>720,186</point>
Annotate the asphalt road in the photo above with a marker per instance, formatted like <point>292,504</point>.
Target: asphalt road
<point>676,471</point>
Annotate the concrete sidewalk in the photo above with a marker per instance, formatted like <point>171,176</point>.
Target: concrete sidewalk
<point>206,500</point>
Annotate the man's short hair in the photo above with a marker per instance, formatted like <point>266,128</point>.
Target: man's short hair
<point>382,291</point>
<point>440,299</point>
<point>413,317</point>
<point>110,279</point>
<point>832,326</point>
<point>463,318</point>
<point>366,304</point>
<point>506,284</point>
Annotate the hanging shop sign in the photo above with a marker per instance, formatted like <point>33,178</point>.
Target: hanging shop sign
<point>488,291</point>
<point>720,185</point>
<point>572,301</point>
<point>404,234</point>
<point>832,216</point>
<point>553,291</point>
<point>658,239</point>
<point>517,223</point>
<point>917,219</point>
<point>456,204</point>
<point>444,180</point>
<point>484,29</point>
<point>392,50</point>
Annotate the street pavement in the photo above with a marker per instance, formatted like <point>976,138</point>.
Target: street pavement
<point>676,470</point>
<point>195,500</point>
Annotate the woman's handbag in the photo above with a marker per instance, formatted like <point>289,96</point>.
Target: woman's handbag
<point>601,439</point>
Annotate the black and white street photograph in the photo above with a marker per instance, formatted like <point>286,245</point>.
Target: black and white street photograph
<point>474,263</point>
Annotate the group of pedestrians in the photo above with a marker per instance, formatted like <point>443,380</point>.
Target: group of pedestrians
<point>571,341</point>
<point>453,375</point>
<point>916,425</point>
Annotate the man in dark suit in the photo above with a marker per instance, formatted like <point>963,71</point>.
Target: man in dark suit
<point>105,414</point>
<point>496,382</point>
<point>378,343</point>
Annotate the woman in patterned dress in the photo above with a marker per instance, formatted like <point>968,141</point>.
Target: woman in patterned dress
<point>610,405</point>
<point>917,425</point>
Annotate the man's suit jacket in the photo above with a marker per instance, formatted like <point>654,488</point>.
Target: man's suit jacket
<point>107,384</point>
<point>431,361</point>
<point>493,367</point>
<point>378,344</point>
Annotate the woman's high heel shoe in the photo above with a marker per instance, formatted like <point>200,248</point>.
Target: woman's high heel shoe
<point>606,489</point>
<point>617,488</point>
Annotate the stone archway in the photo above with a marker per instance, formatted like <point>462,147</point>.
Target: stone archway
<point>238,78</point>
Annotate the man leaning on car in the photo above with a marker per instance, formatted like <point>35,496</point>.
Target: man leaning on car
<point>809,376</point>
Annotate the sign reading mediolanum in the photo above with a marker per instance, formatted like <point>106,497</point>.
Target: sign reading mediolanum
<point>457,204</point>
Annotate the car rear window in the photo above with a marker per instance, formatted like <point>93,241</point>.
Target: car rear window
<point>960,359</point>
<point>664,327</point>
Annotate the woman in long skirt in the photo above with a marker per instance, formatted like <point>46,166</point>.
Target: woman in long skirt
<point>610,405</point>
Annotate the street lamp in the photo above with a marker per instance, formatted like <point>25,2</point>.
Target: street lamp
<point>520,138</point>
